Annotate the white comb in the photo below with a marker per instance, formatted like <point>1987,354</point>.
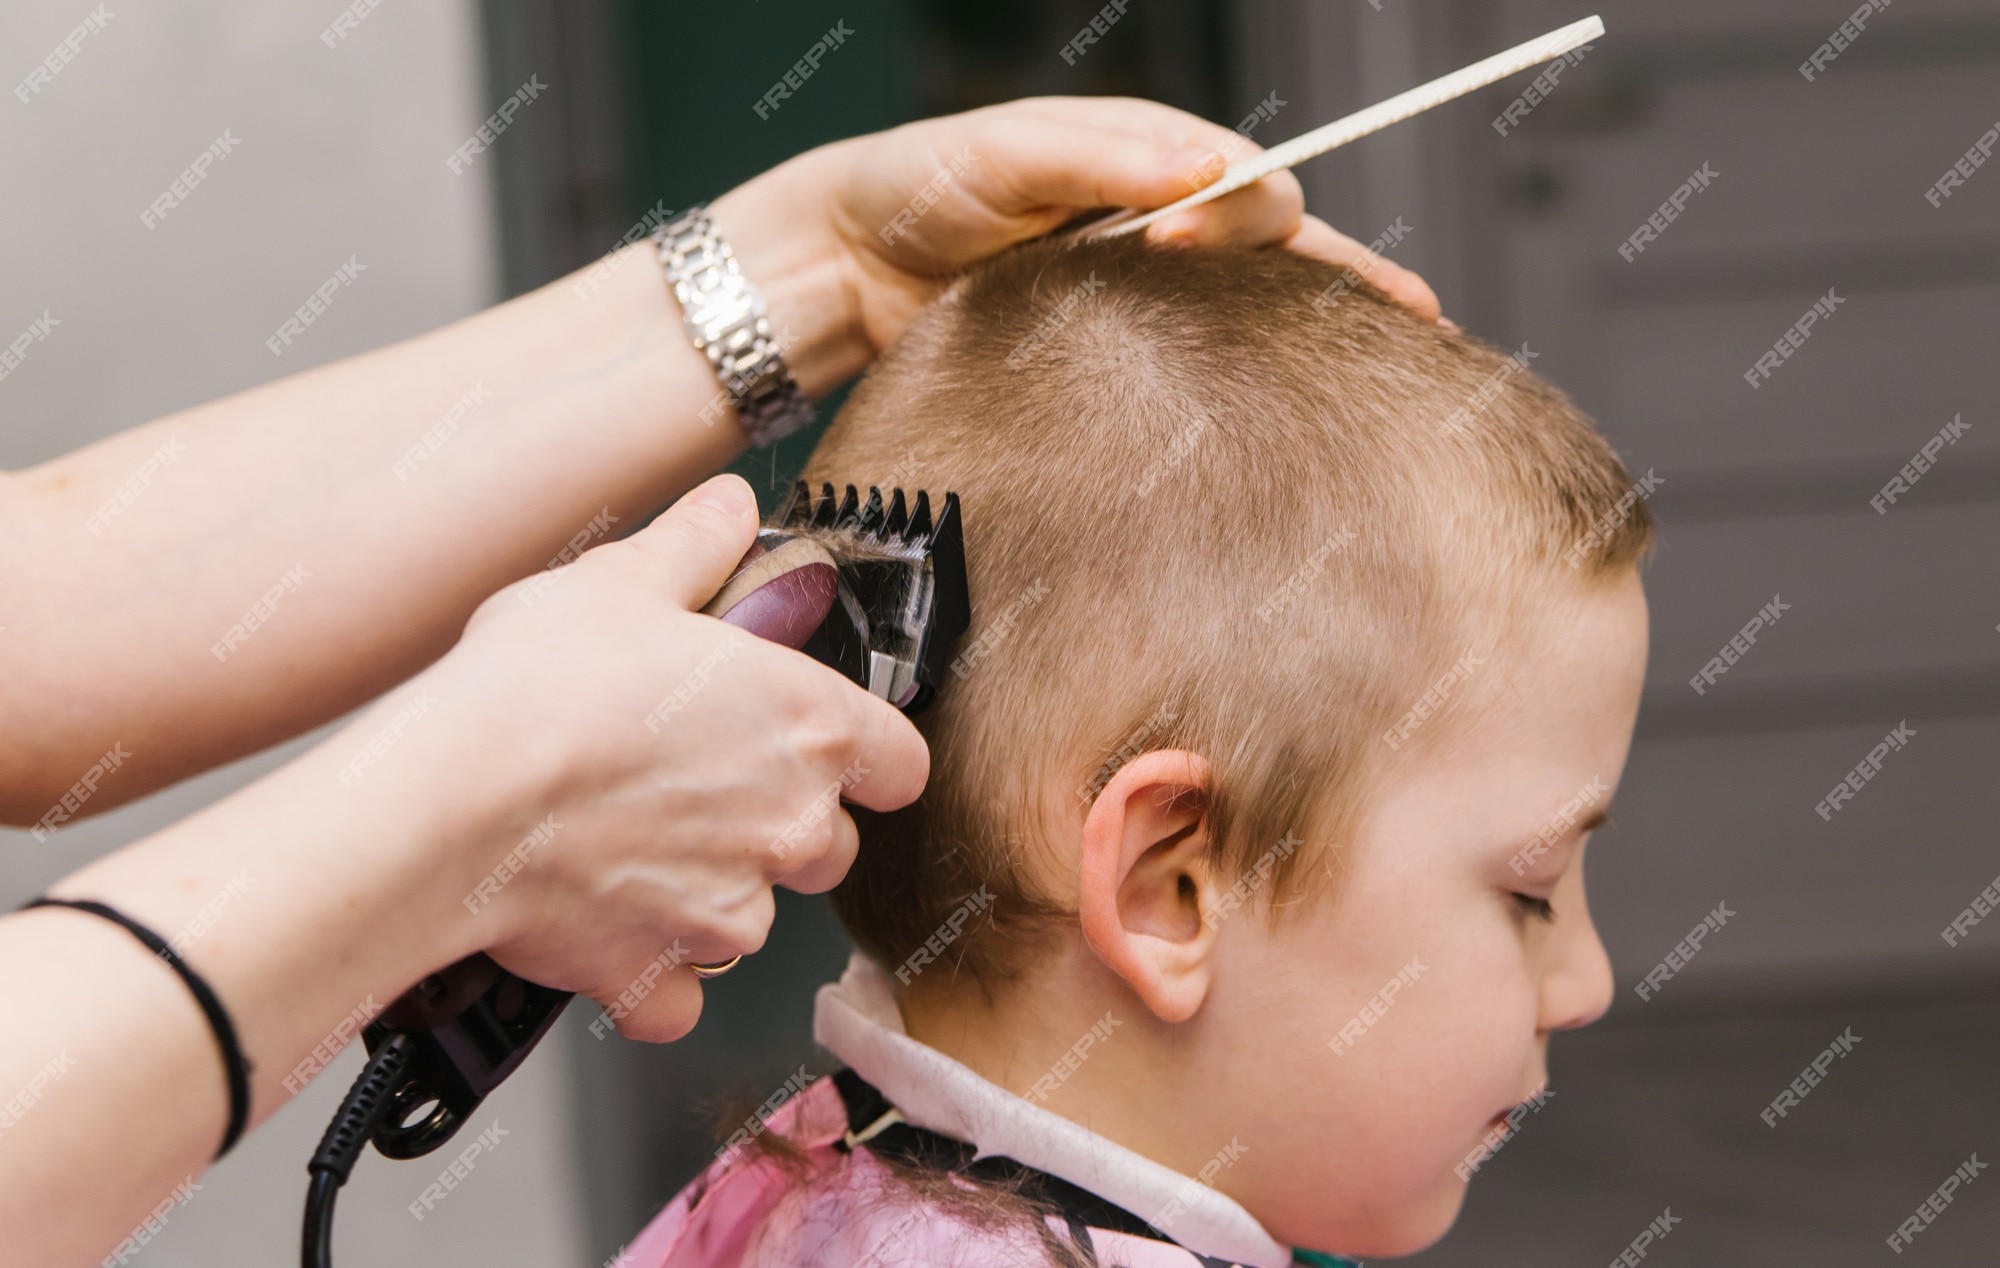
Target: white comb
<point>1359,124</point>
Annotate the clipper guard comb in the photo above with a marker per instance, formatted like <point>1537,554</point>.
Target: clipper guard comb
<point>902,603</point>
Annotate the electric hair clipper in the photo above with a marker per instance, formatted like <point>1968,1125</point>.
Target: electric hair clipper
<point>877,591</point>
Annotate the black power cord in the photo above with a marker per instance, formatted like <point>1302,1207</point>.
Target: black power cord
<point>367,1104</point>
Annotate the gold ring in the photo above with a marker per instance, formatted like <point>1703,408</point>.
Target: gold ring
<point>716,970</point>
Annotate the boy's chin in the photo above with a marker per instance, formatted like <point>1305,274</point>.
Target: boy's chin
<point>1416,1226</point>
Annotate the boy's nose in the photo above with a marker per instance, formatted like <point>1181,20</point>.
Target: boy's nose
<point>1576,989</point>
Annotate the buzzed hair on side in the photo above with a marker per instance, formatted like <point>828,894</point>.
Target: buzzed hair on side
<point>1216,499</point>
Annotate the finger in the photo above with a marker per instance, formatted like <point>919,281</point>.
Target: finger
<point>732,917</point>
<point>1034,164</point>
<point>1207,148</point>
<point>1154,121</point>
<point>656,999</point>
<point>824,872</point>
<point>891,761</point>
<point>1213,147</point>
<point>695,544</point>
<point>626,968</point>
<point>1317,238</point>
<point>1262,214</point>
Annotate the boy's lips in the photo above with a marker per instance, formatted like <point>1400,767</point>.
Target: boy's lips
<point>1502,1120</point>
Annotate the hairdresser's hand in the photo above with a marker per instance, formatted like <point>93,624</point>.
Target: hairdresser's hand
<point>510,798</point>
<point>677,767</point>
<point>887,217</point>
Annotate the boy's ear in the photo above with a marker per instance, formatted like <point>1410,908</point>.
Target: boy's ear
<point>1144,880</point>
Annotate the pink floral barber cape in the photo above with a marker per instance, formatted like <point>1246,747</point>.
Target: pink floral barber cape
<point>900,1099</point>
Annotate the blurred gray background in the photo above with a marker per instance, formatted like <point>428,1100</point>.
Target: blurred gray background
<point>1819,184</point>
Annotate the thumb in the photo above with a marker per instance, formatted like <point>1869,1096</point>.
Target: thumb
<point>695,544</point>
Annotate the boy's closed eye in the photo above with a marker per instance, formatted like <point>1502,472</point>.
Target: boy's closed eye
<point>1536,908</point>
<point>1550,863</point>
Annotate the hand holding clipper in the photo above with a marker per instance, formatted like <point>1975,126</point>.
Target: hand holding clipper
<point>876,590</point>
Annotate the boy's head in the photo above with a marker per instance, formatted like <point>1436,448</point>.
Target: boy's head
<point>1306,640</point>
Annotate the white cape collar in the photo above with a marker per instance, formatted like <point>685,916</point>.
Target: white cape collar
<point>858,1021</point>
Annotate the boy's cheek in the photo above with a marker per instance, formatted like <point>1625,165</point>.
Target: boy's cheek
<point>1425,980</point>
<point>1442,1055</point>
<point>1422,1069</point>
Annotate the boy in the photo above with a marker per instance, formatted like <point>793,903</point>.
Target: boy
<point>1247,889</point>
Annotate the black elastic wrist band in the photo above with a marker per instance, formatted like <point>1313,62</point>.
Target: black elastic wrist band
<point>235,1064</point>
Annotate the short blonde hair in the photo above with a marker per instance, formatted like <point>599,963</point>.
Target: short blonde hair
<point>1215,499</point>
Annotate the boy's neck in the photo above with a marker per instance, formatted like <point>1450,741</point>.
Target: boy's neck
<point>1067,1038</point>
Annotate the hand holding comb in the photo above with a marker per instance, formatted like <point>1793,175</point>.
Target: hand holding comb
<point>1360,124</point>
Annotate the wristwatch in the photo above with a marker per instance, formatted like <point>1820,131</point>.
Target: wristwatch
<point>726,318</point>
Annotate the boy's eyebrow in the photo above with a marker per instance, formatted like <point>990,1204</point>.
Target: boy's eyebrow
<point>1550,840</point>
